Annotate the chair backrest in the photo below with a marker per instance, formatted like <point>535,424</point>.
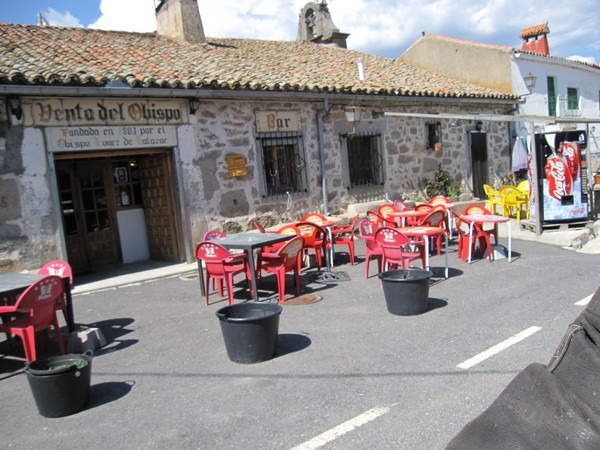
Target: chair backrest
<point>290,251</point>
<point>289,229</point>
<point>311,232</point>
<point>213,234</point>
<point>314,218</point>
<point>385,209</point>
<point>461,227</point>
<point>57,267</point>
<point>392,243</point>
<point>258,226</point>
<point>439,199</point>
<point>476,210</point>
<point>39,299</point>
<point>424,207</point>
<point>367,228</point>
<point>510,193</point>
<point>523,186</point>
<point>213,255</point>
<point>434,218</point>
<point>491,193</point>
<point>401,206</point>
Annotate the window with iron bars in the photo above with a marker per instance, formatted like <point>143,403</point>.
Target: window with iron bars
<point>284,164</point>
<point>365,161</point>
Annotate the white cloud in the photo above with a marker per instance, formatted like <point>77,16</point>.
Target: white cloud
<point>385,26</point>
<point>66,19</point>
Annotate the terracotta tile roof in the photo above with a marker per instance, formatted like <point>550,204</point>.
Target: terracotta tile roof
<point>57,56</point>
<point>536,30</point>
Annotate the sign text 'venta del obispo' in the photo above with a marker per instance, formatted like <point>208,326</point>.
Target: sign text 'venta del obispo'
<point>74,112</point>
<point>137,112</point>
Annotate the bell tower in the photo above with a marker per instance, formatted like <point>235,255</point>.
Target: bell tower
<point>315,24</point>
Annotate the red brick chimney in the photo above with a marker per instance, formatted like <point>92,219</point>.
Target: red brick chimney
<point>538,42</point>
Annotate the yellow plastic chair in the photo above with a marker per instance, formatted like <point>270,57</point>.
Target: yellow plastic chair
<point>493,197</point>
<point>523,186</point>
<point>513,202</point>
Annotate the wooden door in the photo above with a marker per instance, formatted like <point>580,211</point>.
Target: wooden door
<point>479,163</point>
<point>88,210</point>
<point>159,208</point>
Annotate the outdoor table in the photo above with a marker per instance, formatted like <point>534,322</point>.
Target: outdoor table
<point>412,213</point>
<point>487,218</point>
<point>248,242</point>
<point>13,284</point>
<point>425,233</point>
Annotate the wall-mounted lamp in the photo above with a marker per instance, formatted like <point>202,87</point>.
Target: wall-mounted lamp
<point>14,106</point>
<point>530,80</point>
<point>353,115</point>
<point>194,105</point>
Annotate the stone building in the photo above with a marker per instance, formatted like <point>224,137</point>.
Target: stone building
<point>117,147</point>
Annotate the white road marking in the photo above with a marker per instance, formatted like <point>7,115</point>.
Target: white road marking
<point>346,427</point>
<point>498,348</point>
<point>584,301</point>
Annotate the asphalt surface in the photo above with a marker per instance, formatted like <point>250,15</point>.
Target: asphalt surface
<point>347,374</point>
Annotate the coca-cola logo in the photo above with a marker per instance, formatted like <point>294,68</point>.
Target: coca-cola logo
<point>570,152</point>
<point>560,180</point>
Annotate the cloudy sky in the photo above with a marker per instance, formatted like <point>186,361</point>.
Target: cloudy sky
<point>383,27</point>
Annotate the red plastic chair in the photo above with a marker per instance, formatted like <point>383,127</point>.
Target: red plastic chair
<point>366,230</point>
<point>222,265</point>
<point>384,210</point>
<point>377,218</point>
<point>62,269</point>
<point>314,217</point>
<point>439,200</point>
<point>401,206</point>
<point>396,249</point>
<point>492,229</point>
<point>258,226</point>
<point>287,259</point>
<point>436,218</point>
<point>479,234</point>
<point>36,307</point>
<point>315,238</point>
<point>344,235</point>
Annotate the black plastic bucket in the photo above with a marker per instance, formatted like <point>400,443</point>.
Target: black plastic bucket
<point>250,331</point>
<point>60,385</point>
<point>406,291</point>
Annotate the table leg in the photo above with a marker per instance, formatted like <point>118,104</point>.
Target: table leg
<point>470,238</point>
<point>253,284</point>
<point>331,253</point>
<point>446,256</point>
<point>426,240</point>
<point>509,241</point>
<point>69,298</point>
<point>201,278</point>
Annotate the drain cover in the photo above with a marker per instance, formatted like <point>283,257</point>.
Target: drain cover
<point>331,277</point>
<point>305,299</point>
<point>189,276</point>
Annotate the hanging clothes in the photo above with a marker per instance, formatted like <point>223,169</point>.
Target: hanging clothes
<point>519,156</point>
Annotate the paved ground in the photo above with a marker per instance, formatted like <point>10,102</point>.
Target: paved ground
<point>347,374</point>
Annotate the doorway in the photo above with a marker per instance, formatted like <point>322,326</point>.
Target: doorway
<point>479,163</point>
<point>118,208</point>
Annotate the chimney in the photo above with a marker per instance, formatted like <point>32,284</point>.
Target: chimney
<point>180,20</point>
<point>539,41</point>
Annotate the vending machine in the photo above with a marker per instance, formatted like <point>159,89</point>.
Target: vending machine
<point>562,176</point>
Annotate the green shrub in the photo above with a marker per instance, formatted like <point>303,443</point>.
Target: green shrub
<point>441,184</point>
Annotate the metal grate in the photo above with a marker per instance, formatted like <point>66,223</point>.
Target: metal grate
<point>365,161</point>
<point>284,163</point>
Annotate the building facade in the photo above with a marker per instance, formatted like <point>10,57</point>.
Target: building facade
<point>120,147</point>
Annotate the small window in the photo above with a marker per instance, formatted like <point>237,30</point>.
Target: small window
<point>572,99</point>
<point>434,136</point>
<point>365,162</point>
<point>284,164</point>
<point>551,97</point>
